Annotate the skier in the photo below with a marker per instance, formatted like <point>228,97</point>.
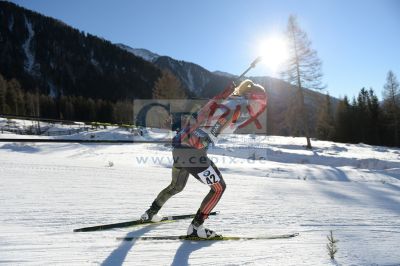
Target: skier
<point>232,109</point>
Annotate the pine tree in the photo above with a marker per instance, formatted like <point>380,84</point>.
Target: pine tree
<point>343,121</point>
<point>325,122</point>
<point>331,246</point>
<point>13,88</point>
<point>303,70</point>
<point>361,108</point>
<point>91,109</point>
<point>123,112</point>
<point>392,105</point>
<point>104,111</point>
<point>293,120</point>
<point>20,102</point>
<point>3,91</point>
<point>30,104</point>
<point>67,111</point>
<point>48,107</point>
<point>168,87</point>
<point>37,104</point>
<point>374,118</point>
<point>367,117</point>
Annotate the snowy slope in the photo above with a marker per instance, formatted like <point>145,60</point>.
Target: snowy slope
<point>143,53</point>
<point>47,190</point>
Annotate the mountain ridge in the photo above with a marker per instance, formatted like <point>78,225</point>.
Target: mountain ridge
<point>48,55</point>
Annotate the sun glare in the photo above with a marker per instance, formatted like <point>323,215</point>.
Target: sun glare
<point>274,52</point>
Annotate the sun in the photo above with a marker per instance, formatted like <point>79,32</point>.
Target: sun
<point>274,52</point>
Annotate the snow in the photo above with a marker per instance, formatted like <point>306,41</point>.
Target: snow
<point>30,58</point>
<point>53,89</point>
<point>47,190</point>
<point>94,62</point>
<point>142,53</point>
<point>79,131</point>
<point>189,79</point>
<point>11,23</point>
<point>223,74</point>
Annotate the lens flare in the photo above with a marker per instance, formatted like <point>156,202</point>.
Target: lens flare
<point>274,52</point>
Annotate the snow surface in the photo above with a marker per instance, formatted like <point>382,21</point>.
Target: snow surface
<point>47,190</point>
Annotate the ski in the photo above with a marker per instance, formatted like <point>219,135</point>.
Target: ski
<point>217,238</point>
<point>135,222</point>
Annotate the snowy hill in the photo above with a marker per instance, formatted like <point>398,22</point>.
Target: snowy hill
<point>274,186</point>
<point>143,53</point>
<point>152,57</point>
<point>225,74</point>
<point>193,77</point>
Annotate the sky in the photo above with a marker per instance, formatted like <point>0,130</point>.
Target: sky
<point>357,40</point>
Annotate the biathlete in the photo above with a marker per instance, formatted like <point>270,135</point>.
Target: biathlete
<point>234,108</point>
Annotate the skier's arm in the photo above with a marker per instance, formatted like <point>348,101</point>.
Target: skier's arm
<point>209,109</point>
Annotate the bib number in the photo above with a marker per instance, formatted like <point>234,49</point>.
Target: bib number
<point>209,176</point>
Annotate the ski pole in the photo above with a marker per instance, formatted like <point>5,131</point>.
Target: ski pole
<point>252,65</point>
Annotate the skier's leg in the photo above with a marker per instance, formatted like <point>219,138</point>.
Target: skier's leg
<point>178,183</point>
<point>213,178</point>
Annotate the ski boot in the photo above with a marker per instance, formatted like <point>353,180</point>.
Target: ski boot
<point>200,232</point>
<point>197,230</point>
<point>151,214</point>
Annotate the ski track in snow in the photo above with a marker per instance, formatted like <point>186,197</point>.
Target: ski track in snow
<point>47,190</point>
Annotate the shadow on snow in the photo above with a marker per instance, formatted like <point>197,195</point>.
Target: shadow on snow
<point>117,257</point>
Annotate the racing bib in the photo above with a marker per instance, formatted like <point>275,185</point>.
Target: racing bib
<point>209,176</point>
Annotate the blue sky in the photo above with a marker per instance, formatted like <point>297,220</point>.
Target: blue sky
<point>357,40</point>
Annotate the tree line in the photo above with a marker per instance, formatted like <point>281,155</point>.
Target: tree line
<point>14,100</point>
<point>364,119</point>
<point>78,76</point>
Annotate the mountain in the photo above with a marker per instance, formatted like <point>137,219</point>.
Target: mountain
<point>47,55</point>
<point>44,53</point>
<point>224,74</point>
<point>193,77</point>
<point>140,52</point>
